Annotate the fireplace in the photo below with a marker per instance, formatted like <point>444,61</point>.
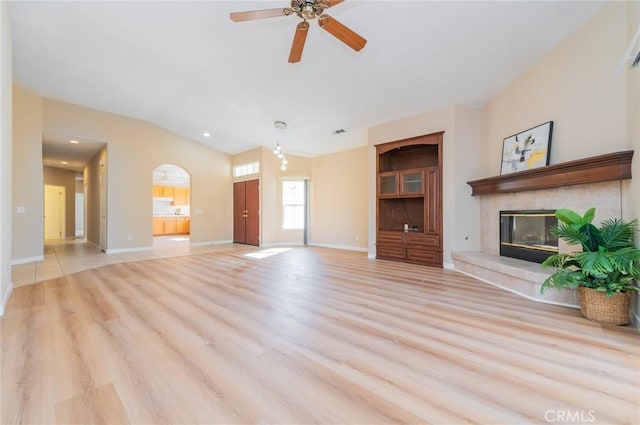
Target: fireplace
<point>526,234</point>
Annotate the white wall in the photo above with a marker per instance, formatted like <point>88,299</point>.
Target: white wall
<point>5,153</point>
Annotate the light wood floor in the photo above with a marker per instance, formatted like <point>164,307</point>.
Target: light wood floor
<point>309,335</point>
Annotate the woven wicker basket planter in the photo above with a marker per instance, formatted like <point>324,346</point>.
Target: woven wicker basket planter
<point>596,306</point>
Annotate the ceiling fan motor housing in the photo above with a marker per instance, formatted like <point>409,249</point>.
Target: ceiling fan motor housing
<point>309,9</point>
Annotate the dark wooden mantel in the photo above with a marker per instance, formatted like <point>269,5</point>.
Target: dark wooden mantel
<point>612,166</point>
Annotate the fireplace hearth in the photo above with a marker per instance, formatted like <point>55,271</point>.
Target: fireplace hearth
<point>527,234</point>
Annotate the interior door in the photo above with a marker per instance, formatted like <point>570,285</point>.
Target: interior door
<point>54,198</point>
<point>246,212</point>
<point>252,208</point>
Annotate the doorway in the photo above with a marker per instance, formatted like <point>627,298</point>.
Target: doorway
<point>246,212</point>
<point>171,202</point>
<point>54,213</point>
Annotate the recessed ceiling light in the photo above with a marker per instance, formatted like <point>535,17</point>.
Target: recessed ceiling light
<point>75,142</point>
<point>64,163</point>
<point>205,134</point>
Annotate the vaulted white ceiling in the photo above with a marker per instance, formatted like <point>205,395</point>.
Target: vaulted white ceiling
<point>187,67</point>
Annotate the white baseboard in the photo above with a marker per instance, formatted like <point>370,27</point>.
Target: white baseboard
<point>371,256</point>
<point>210,243</point>
<point>344,247</point>
<point>125,250</point>
<point>277,244</point>
<point>518,293</point>
<point>5,298</point>
<point>27,260</point>
<point>448,266</point>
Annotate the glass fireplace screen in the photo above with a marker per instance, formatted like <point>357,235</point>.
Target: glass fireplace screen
<point>527,234</point>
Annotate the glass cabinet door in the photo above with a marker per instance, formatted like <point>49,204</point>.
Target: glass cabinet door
<point>412,182</point>
<point>388,184</point>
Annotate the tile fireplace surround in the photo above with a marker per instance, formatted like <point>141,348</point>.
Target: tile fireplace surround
<point>524,277</point>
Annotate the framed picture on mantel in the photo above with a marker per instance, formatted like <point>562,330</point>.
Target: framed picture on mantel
<point>526,150</point>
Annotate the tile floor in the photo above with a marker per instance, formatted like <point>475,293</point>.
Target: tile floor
<point>70,256</point>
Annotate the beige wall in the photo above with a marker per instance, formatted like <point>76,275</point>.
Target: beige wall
<point>91,181</point>
<point>631,189</point>
<point>28,227</point>
<point>67,178</point>
<point>339,200</point>
<point>134,148</point>
<point>5,153</point>
<point>574,85</point>
<point>461,150</point>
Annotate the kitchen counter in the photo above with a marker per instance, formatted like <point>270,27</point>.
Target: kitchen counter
<point>169,215</point>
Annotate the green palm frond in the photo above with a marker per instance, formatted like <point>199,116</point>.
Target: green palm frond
<point>627,261</point>
<point>617,233</point>
<point>570,233</point>
<point>594,264</point>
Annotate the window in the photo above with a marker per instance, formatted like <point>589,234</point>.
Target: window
<point>246,169</point>
<point>293,204</point>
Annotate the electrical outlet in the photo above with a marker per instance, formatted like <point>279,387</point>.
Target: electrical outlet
<point>129,237</point>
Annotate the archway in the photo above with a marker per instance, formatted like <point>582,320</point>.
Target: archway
<point>171,202</point>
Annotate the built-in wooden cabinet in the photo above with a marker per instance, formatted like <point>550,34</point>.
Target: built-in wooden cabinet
<point>171,226</point>
<point>157,191</point>
<point>409,201</point>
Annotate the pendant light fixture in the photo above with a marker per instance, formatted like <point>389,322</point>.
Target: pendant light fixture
<point>277,151</point>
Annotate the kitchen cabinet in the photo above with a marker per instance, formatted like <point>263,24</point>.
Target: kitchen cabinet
<point>180,196</point>
<point>171,226</point>
<point>157,191</point>
<point>167,191</point>
<point>183,225</point>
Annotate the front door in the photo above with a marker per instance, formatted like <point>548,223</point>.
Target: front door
<point>246,212</point>
<point>253,213</point>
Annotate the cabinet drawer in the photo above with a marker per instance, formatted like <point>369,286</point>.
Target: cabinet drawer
<point>418,240</point>
<point>421,256</point>
<point>391,238</point>
<point>391,252</point>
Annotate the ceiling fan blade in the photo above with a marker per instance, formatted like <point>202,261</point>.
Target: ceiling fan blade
<point>298,42</point>
<point>332,3</point>
<point>260,14</point>
<point>342,33</point>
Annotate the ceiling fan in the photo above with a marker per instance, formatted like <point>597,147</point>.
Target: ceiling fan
<point>307,9</point>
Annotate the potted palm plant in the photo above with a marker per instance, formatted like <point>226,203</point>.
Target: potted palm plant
<point>604,270</point>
